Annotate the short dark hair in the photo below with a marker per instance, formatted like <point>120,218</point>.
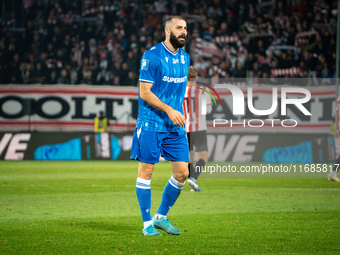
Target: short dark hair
<point>169,20</point>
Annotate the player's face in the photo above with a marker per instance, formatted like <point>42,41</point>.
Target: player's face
<point>178,33</point>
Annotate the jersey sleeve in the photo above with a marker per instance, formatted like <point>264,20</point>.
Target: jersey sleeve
<point>148,68</point>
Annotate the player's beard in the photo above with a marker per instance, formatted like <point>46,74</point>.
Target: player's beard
<point>175,42</point>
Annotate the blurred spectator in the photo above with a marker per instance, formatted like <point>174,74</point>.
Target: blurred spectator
<point>129,79</point>
<point>39,72</point>
<point>77,53</point>
<point>131,61</point>
<point>283,62</point>
<point>132,42</point>
<point>260,50</point>
<point>63,78</point>
<point>161,8</point>
<point>152,20</point>
<point>224,29</point>
<point>159,34</point>
<point>14,71</point>
<point>87,78</point>
<point>52,74</point>
<point>239,71</point>
<point>2,69</point>
<point>111,79</point>
<point>248,65</point>
<point>124,71</point>
<point>307,63</point>
<point>255,71</point>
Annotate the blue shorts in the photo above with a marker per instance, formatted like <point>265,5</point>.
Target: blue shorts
<point>148,145</point>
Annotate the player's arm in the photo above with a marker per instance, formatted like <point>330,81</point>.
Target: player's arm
<point>148,96</point>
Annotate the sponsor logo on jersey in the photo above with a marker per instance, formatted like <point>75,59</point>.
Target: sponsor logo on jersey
<point>145,65</point>
<point>174,80</point>
<point>175,61</point>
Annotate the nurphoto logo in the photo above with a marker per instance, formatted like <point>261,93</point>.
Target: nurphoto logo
<point>239,103</point>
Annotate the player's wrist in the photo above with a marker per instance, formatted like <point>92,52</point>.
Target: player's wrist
<point>168,109</point>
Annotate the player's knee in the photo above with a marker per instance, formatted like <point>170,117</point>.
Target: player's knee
<point>181,176</point>
<point>145,170</point>
<point>145,176</point>
<point>185,174</point>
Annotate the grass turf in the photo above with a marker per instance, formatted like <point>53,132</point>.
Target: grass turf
<point>91,208</point>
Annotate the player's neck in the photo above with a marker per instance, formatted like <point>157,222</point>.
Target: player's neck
<point>170,46</point>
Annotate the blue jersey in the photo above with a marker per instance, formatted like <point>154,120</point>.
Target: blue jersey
<point>168,72</point>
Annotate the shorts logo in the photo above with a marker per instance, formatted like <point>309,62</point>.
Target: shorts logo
<point>145,65</point>
<point>182,59</point>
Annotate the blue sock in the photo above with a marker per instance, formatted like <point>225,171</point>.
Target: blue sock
<point>144,198</point>
<point>170,194</point>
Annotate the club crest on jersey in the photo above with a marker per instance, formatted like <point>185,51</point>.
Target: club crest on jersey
<point>145,64</point>
<point>175,61</point>
<point>182,59</point>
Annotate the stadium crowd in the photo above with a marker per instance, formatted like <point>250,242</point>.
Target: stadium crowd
<point>100,42</point>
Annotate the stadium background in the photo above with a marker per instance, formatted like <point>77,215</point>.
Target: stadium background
<point>64,61</point>
<point>61,62</point>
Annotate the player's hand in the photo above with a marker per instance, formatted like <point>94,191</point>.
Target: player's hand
<point>176,117</point>
<point>337,133</point>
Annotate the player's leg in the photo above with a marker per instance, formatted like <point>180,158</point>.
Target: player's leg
<point>202,149</point>
<point>192,138</point>
<point>196,171</point>
<point>199,138</point>
<point>175,149</point>
<point>143,191</point>
<point>141,151</point>
<point>203,158</point>
<point>174,187</point>
<point>191,161</point>
<point>171,192</point>
<point>191,154</point>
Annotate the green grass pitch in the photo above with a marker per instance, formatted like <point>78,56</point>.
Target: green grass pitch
<point>91,208</point>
